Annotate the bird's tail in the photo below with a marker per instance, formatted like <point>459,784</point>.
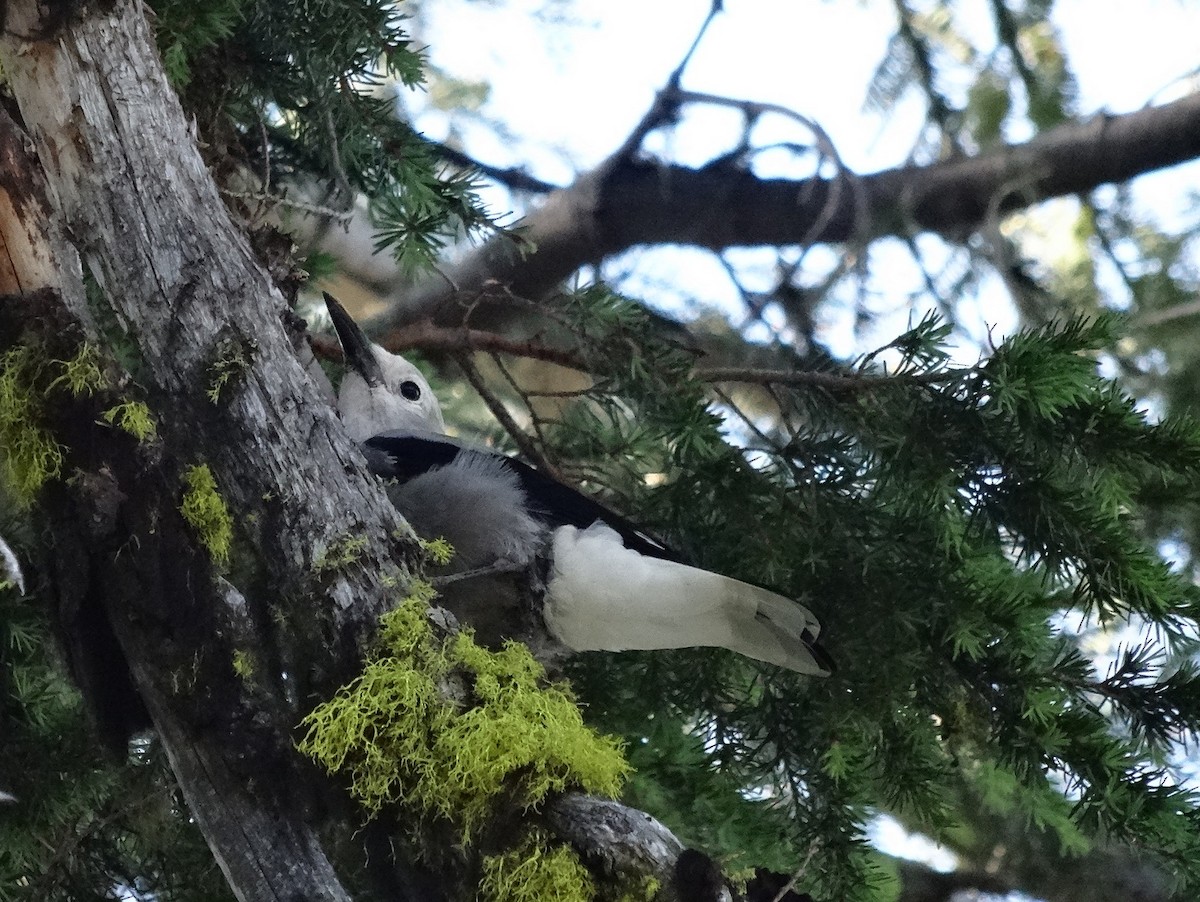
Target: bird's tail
<point>604,596</point>
<point>796,628</point>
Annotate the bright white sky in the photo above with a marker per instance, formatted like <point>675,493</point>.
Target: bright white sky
<point>570,85</point>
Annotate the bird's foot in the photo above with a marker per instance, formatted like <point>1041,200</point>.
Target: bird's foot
<point>498,568</point>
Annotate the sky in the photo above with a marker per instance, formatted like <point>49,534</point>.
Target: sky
<point>570,80</point>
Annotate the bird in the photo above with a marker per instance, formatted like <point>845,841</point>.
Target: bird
<point>10,569</point>
<point>609,586</point>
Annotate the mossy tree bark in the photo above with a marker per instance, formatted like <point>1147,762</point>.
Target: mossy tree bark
<point>113,180</point>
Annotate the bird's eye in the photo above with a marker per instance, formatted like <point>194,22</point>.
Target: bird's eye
<point>410,390</point>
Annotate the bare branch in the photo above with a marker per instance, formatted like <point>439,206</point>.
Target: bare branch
<point>500,412</point>
<point>835,383</point>
<point>512,177</point>
<point>425,336</point>
<point>628,202</point>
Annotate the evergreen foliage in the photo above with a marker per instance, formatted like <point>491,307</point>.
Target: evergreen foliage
<point>82,827</point>
<point>951,525</point>
<point>944,522</point>
<point>308,88</point>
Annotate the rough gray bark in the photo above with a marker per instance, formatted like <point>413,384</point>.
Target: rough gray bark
<point>128,188</point>
<point>616,841</point>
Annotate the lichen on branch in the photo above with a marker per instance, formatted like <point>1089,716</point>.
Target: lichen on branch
<point>30,456</point>
<point>207,513</point>
<point>399,736</point>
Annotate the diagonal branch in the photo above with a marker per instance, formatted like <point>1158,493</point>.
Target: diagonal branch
<point>629,202</point>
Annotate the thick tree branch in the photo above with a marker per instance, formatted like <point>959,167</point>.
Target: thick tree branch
<point>628,202</point>
<point>124,180</point>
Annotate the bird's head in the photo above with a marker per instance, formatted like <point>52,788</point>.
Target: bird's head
<point>381,392</point>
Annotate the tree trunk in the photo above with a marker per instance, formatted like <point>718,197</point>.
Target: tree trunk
<point>177,286</point>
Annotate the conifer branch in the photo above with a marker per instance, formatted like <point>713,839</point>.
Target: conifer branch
<point>511,177</point>
<point>500,412</point>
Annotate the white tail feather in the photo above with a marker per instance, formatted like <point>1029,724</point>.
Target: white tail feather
<point>602,596</point>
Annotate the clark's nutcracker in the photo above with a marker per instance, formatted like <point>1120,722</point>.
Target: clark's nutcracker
<point>610,586</point>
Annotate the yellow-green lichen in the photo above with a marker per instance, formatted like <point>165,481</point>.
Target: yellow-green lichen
<point>438,551</point>
<point>205,510</point>
<point>243,663</point>
<point>536,871</point>
<point>398,737</point>
<point>642,890</point>
<point>740,877</point>
<point>29,455</point>
<point>232,359</point>
<point>341,552</point>
<point>133,417</point>
<point>81,374</point>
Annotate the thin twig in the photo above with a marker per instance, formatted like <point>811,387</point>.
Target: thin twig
<point>504,418</point>
<point>566,393</point>
<point>425,336</point>
<point>832,382</point>
<point>534,420</point>
<point>460,340</point>
<point>665,103</point>
<point>512,177</point>
<point>822,143</point>
<point>787,412</point>
<point>1158,317</point>
<point>335,153</point>
<point>342,216</point>
<point>791,884</point>
<point>744,417</point>
<point>715,7</point>
<point>265,144</point>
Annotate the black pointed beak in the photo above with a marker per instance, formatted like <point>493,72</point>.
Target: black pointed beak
<point>355,346</point>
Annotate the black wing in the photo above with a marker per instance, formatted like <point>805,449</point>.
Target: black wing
<point>402,456</point>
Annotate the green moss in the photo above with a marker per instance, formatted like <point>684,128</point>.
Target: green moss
<point>29,455</point>
<point>438,551</point>
<point>205,510</point>
<point>397,736</point>
<point>536,871</point>
<point>339,553</point>
<point>133,417</point>
<point>81,374</point>
<point>243,663</point>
